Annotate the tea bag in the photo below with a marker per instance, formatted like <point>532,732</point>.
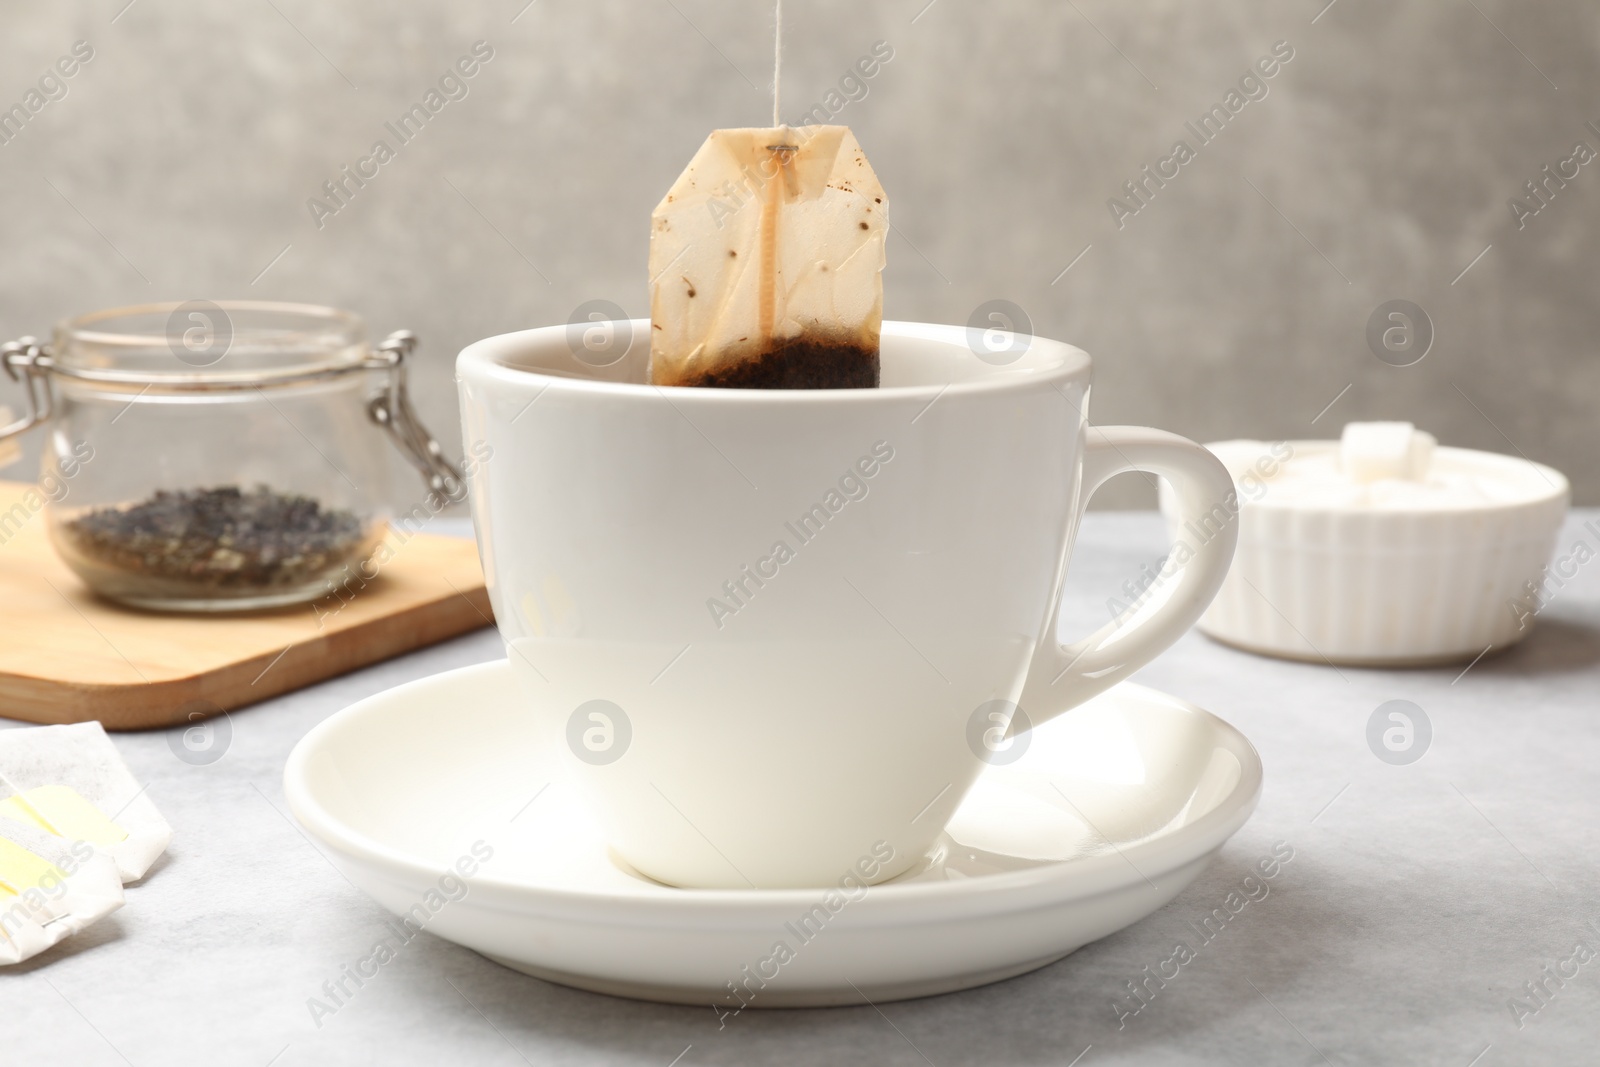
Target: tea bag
<point>70,781</point>
<point>765,263</point>
<point>74,828</point>
<point>50,888</point>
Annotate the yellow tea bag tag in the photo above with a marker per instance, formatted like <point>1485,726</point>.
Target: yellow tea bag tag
<point>33,817</point>
<point>21,870</point>
<point>62,811</point>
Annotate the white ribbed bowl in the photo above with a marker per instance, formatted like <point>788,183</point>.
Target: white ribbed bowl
<point>1386,586</point>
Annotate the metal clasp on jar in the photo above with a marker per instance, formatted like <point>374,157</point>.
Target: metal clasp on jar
<point>27,361</point>
<point>392,410</point>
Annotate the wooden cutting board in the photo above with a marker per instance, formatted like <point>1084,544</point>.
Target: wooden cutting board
<point>68,656</point>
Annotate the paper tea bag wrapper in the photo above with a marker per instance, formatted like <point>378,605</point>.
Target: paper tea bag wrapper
<point>72,781</point>
<point>50,888</point>
<point>74,827</point>
<point>766,260</point>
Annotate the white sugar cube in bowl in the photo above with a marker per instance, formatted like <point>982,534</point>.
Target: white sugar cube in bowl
<point>1382,549</point>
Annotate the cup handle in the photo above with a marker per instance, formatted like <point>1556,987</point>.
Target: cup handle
<point>1064,676</point>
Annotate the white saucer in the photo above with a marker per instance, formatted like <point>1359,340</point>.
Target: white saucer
<point>1110,813</point>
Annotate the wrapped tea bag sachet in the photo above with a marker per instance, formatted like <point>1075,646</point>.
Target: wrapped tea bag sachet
<point>74,827</point>
<point>766,258</point>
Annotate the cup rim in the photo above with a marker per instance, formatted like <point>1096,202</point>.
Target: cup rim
<point>485,359</point>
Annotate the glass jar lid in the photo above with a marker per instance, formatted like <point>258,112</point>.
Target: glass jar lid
<point>204,345</point>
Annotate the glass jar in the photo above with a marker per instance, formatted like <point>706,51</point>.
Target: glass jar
<point>219,456</point>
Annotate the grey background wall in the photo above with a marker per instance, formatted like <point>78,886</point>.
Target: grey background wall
<point>1235,302</point>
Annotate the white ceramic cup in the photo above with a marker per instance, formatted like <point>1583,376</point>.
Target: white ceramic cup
<point>785,630</point>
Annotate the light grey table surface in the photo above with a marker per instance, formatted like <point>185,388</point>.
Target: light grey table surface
<point>1419,901</point>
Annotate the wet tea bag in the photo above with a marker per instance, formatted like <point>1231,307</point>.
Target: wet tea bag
<point>765,263</point>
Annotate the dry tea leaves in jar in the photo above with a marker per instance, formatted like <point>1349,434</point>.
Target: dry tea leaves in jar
<point>226,537</point>
<point>189,405</point>
<point>767,257</point>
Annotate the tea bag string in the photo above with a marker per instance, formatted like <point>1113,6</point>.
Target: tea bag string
<point>767,226</point>
<point>784,150</point>
<point>778,55</point>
